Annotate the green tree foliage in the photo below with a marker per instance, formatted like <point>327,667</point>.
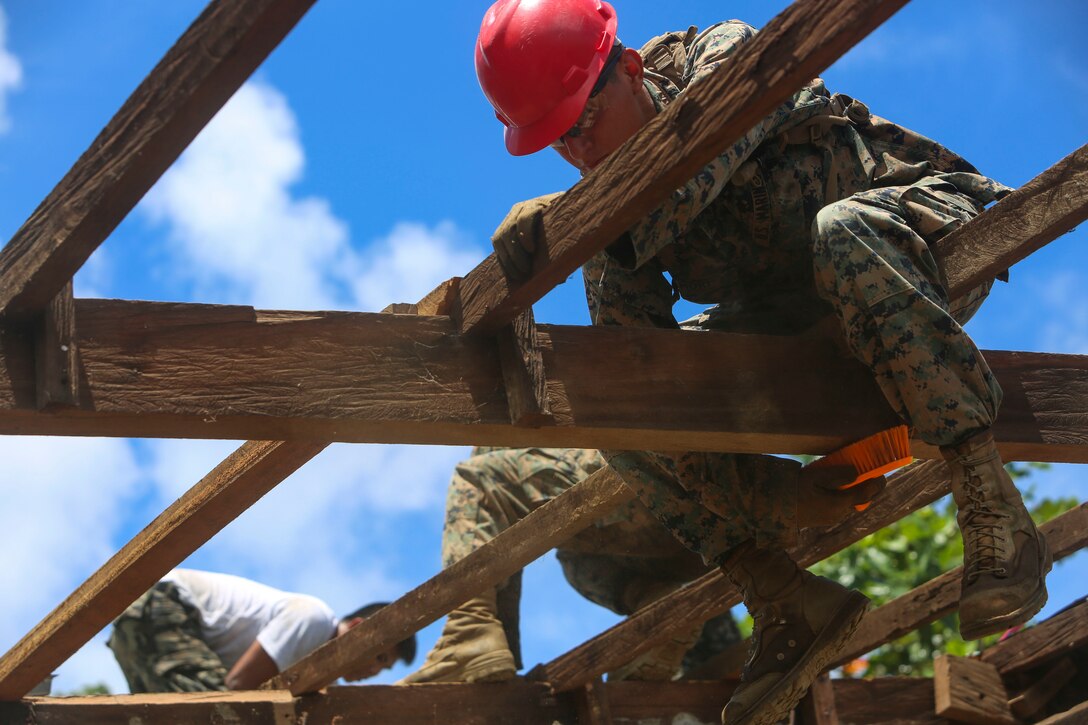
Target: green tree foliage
<point>100,688</point>
<point>900,557</point>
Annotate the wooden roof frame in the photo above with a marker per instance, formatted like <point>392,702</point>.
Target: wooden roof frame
<point>73,367</point>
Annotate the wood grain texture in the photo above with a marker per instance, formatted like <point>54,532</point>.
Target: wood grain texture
<point>510,551</point>
<point>593,704</point>
<point>908,490</point>
<point>523,372</point>
<point>1046,641</point>
<point>204,371</point>
<point>1033,699</point>
<point>181,94</point>
<point>1041,210</point>
<point>882,700</point>
<point>940,596</point>
<point>790,50</point>
<point>970,691</point>
<point>56,355</point>
<point>228,490</point>
<point>818,706</point>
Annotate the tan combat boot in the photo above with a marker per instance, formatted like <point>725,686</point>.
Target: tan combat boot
<point>472,647</point>
<point>802,621</point>
<point>663,661</point>
<point>1005,558</point>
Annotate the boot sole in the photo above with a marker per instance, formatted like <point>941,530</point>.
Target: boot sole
<point>998,625</point>
<point>493,667</point>
<point>776,703</point>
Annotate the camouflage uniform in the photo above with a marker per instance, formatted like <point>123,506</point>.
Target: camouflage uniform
<point>157,642</point>
<point>624,551</point>
<point>821,209</point>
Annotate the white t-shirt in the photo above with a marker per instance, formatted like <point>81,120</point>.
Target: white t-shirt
<point>235,611</point>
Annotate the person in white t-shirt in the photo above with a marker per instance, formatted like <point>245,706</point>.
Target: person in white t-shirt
<point>197,630</point>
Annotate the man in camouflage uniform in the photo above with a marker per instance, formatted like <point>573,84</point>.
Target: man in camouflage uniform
<point>821,211</point>
<point>622,562</point>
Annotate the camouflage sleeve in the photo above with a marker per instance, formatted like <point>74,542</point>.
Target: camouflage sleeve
<point>668,222</point>
<point>617,296</point>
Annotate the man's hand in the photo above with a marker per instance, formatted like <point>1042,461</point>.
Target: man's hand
<point>821,501</point>
<point>519,234</point>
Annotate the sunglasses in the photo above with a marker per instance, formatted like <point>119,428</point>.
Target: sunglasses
<point>595,103</point>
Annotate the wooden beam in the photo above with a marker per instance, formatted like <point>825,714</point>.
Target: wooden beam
<point>204,371</point>
<point>898,700</point>
<point>231,487</point>
<point>56,357</point>
<point>818,706</point>
<point>1046,207</point>
<point>902,700</point>
<point>181,94</point>
<point>908,490</point>
<point>794,47</point>
<point>970,691</point>
<point>510,551</point>
<point>523,372</point>
<point>593,705</point>
<point>1035,646</point>
<point>1065,534</point>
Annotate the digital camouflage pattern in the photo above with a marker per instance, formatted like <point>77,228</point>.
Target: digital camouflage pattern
<point>624,551</point>
<point>821,209</point>
<point>157,643</point>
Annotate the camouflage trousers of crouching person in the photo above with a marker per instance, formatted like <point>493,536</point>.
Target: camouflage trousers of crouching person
<point>875,272</point>
<point>613,563</point>
<point>157,643</point>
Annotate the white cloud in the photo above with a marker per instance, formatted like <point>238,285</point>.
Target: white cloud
<point>11,72</point>
<point>240,235</point>
<point>409,263</point>
<point>315,531</point>
<point>64,502</point>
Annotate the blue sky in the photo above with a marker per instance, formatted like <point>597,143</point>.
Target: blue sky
<point>361,166</point>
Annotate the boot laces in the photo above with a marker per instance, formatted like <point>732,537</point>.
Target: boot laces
<point>983,530</point>
<point>765,617</point>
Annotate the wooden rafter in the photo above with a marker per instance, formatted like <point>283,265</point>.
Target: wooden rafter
<point>1049,205</point>
<point>220,497</point>
<point>169,108</point>
<point>899,699</point>
<point>182,370</point>
<point>1038,645</point>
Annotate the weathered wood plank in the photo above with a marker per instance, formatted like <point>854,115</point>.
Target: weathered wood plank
<point>181,94</point>
<point>818,706</point>
<point>970,691</point>
<point>228,490</point>
<point>203,371</point>
<point>1035,646</point>
<point>593,704</point>
<point>794,47</point>
<point>901,700</point>
<point>940,596</point>
<point>523,372</point>
<point>1046,207</point>
<point>908,490</point>
<point>510,551</point>
<point>883,700</point>
<point>56,353</point>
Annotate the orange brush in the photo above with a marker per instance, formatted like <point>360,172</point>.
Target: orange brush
<point>872,456</point>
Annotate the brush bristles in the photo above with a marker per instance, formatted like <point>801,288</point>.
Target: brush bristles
<point>872,456</point>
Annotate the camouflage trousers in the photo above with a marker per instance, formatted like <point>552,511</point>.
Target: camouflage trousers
<point>874,269</point>
<point>157,643</point>
<point>624,553</point>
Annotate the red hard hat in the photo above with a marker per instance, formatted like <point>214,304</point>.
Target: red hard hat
<point>537,61</point>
